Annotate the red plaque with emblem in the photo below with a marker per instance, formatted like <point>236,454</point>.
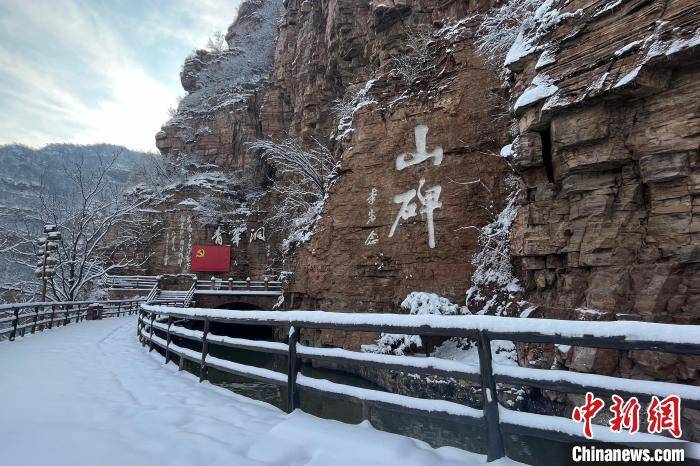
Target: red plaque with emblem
<point>211,259</point>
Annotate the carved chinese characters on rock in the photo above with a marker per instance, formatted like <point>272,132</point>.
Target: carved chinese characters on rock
<point>373,237</point>
<point>421,154</point>
<point>218,238</point>
<point>236,235</point>
<point>423,200</point>
<point>257,235</point>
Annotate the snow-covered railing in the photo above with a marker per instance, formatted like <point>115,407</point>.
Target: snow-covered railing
<point>213,286</point>
<point>190,295</point>
<point>231,284</point>
<point>16,319</point>
<point>494,418</point>
<point>130,282</point>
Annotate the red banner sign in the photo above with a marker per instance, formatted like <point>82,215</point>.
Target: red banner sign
<point>211,259</point>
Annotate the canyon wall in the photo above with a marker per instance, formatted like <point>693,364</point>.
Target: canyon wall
<point>420,164</point>
<point>599,167</point>
<point>608,114</point>
<point>211,197</point>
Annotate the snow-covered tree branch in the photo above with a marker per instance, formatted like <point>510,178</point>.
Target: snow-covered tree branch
<point>303,177</point>
<point>499,29</point>
<point>418,59</point>
<point>217,42</point>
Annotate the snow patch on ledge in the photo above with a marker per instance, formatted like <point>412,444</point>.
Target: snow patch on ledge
<point>668,48</point>
<point>521,48</point>
<point>628,78</point>
<point>541,88</point>
<point>546,58</point>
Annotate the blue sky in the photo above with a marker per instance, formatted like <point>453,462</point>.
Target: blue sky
<point>89,71</point>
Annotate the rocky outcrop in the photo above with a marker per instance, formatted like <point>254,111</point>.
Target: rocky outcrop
<point>221,110</point>
<point>609,130</point>
<point>212,197</point>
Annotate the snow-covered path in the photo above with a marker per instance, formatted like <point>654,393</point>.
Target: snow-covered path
<point>89,394</point>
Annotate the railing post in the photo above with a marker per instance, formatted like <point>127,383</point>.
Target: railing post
<point>293,368</point>
<point>366,411</point>
<point>150,340</point>
<point>119,308</point>
<point>167,344</point>
<point>495,448</point>
<point>65,314</point>
<point>203,372</point>
<point>14,325</point>
<point>247,282</point>
<point>36,318</point>
<point>267,283</point>
<point>53,312</point>
<point>230,283</point>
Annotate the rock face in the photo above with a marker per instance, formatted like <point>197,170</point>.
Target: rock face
<point>328,53</point>
<point>218,179</point>
<point>420,171</point>
<point>609,131</point>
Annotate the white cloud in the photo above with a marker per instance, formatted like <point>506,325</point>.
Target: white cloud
<point>132,103</point>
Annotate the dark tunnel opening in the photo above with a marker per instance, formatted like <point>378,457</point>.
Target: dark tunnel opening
<point>250,332</point>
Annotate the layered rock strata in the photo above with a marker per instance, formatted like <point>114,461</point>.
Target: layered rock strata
<point>609,131</point>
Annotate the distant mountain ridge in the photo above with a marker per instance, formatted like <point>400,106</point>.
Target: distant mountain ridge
<point>24,169</point>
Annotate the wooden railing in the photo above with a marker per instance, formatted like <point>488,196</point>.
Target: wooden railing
<point>239,285</point>
<point>266,285</point>
<point>156,328</point>
<point>17,319</point>
<point>130,282</point>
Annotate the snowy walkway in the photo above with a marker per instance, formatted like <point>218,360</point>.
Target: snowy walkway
<point>89,394</point>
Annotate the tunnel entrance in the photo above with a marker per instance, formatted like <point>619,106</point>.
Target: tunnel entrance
<point>250,332</point>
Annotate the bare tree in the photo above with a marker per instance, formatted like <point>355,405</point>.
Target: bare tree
<point>100,230</point>
<point>172,110</point>
<point>303,177</point>
<point>418,59</point>
<point>217,43</point>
